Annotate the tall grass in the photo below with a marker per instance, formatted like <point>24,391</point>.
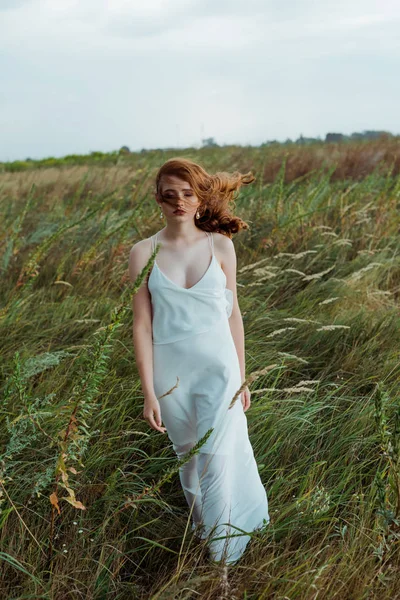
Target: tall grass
<point>91,504</point>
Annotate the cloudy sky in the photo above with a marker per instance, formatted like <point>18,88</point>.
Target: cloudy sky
<point>85,75</point>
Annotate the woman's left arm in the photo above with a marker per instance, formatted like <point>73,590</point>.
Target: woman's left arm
<point>229,265</point>
<point>237,330</point>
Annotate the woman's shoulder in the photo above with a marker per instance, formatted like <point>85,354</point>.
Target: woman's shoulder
<point>222,241</point>
<point>223,247</point>
<point>140,246</point>
<point>143,245</point>
<point>139,256</point>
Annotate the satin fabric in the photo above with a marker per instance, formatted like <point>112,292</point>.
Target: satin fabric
<point>193,350</point>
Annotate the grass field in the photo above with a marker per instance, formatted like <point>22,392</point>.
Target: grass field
<point>91,505</point>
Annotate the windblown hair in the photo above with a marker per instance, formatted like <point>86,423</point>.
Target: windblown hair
<point>216,193</point>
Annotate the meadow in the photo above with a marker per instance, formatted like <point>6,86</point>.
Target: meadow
<point>91,505</point>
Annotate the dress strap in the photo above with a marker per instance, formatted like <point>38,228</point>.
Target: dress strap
<point>211,238</point>
<point>153,241</point>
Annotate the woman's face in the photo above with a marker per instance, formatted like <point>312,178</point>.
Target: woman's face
<point>176,198</point>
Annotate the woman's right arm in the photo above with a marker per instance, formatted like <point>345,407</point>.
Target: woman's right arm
<point>142,334</point>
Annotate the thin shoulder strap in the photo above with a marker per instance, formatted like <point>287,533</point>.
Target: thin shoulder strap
<point>153,241</point>
<point>211,238</point>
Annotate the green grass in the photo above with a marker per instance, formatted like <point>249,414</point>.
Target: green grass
<point>91,504</point>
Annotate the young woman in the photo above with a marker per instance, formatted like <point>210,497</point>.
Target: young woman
<point>189,346</point>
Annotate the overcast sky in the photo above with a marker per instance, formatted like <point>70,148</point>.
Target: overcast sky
<point>85,75</point>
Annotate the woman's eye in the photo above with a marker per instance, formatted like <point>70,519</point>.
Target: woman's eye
<point>173,197</point>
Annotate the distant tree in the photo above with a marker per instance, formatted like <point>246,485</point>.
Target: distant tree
<point>124,150</point>
<point>372,135</point>
<point>303,141</point>
<point>270,143</point>
<point>334,137</point>
<point>208,142</point>
<point>300,140</point>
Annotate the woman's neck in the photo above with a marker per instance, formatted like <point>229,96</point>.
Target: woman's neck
<point>182,233</point>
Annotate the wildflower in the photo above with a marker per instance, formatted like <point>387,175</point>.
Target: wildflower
<point>277,331</point>
<point>264,271</point>
<point>358,274</point>
<point>296,320</point>
<point>318,275</point>
<point>251,266</point>
<point>319,502</point>
<point>294,271</point>
<point>332,327</point>
<point>343,242</point>
<point>298,389</point>
<point>295,256</point>
<point>288,355</point>
<point>329,300</point>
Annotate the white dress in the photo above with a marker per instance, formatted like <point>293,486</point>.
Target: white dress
<point>192,341</point>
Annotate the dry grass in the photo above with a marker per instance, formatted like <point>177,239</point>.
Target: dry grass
<point>318,286</point>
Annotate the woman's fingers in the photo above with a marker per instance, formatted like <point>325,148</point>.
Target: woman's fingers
<point>157,420</point>
<point>152,414</point>
<point>152,420</point>
<point>246,400</point>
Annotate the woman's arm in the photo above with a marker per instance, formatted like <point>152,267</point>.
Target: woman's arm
<point>142,334</point>
<point>237,329</point>
<point>228,264</point>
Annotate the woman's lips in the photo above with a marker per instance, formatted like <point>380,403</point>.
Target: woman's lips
<point>178,212</point>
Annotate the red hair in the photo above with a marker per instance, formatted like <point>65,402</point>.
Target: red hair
<point>215,193</point>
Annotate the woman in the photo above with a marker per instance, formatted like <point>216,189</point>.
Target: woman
<point>189,346</point>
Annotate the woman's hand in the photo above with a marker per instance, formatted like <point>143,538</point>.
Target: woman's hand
<point>152,413</point>
<point>245,397</point>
